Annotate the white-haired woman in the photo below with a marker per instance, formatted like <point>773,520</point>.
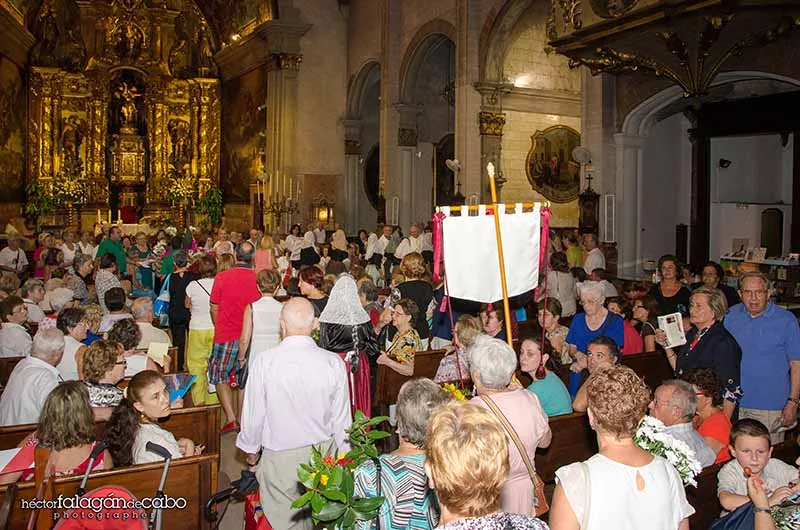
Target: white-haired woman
<point>492,365</point>
<point>400,477</point>
<point>595,321</point>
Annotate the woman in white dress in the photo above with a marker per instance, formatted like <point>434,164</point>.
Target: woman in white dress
<point>294,244</point>
<point>261,328</point>
<point>622,486</point>
<point>134,422</point>
<point>69,248</point>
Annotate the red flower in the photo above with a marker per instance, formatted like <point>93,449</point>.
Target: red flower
<point>328,460</point>
<point>345,461</point>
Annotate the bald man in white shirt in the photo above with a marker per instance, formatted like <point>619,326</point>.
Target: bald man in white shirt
<point>296,397</point>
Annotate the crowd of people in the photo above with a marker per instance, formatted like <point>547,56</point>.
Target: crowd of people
<point>250,318</point>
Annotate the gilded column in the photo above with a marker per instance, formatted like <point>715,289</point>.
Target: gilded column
<point>208,137</point>
<point>97,142</point>
<point>157,136</point>
<point>491,121</point>
<point>36,91</point>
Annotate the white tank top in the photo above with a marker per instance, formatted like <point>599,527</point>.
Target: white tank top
<point>266,313</point>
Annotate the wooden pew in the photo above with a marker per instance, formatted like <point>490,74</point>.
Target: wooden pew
<point>388,382</point>
<point>193,478</point>
<point>199,424</point>
<point>653,367</point>
<point>7,365</point>
<point>573,441</point>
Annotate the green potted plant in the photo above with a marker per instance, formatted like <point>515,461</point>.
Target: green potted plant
<point>210,205</point>
<point>329,482</point>
<point>38,203</point>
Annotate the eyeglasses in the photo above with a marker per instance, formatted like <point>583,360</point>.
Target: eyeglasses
<point>760,293</point>
<point>123,362</point>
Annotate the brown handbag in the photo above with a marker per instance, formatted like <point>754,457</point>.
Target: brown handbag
<point>540,501</point>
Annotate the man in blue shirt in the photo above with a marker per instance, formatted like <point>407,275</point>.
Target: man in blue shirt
<point>770,340</point>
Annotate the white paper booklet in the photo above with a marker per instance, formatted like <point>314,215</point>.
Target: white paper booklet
<point>672,326</point>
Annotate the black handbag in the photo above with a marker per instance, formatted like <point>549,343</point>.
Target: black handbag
<point>742,518</point>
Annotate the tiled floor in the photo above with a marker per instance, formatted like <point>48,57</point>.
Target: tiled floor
<point>234,517</point>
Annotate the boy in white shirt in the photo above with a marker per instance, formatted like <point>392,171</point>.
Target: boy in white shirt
<point>750,446</point>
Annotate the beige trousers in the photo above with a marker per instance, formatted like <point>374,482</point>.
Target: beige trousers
<point>770,418</point>
<point>279,487</point>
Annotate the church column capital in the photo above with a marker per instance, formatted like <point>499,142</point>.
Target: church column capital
<point>273,43</point>
<point>407,134</point>
<point>491,123</point>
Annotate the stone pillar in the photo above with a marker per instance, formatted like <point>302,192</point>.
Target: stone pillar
<point>629,205</point>
<point>491,127</point>
<point>403,182</point>
<point>469,24</point>
<point>275,46</point>
<point>391,59</point>
<point>352,179</point>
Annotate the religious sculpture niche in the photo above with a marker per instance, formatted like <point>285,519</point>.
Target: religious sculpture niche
<point>127,94</point>
<point>127,38</point>
<point>127,148</point>
<point>180,138</point>
<point>180,55</point>
<point>73,131</point>
<point>550,167</point>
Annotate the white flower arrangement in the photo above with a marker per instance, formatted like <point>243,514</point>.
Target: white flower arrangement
<point>171,231</point>
<point>651,437</point>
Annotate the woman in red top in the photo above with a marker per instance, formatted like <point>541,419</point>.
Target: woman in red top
<point>712,424</point>
<point>66,427</point>
<point>632,342</point>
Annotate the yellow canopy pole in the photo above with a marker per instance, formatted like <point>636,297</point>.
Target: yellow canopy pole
<point>496,212</point>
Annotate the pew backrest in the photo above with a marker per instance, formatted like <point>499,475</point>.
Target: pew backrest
<point>199,424</point>
<point>653,367</point>
<point>193,479</point>
<point>388,382</point>
<point>573,441</point>
<point>7,365</point>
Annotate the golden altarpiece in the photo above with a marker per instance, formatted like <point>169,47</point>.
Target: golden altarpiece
<point>124,107</point>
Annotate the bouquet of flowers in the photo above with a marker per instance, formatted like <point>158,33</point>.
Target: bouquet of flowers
<point>68,190</point>
<point>651,437</point>
<point>171,231</point>
<point>455,392</point>
<point>329,481</point>
<point>182,187</point>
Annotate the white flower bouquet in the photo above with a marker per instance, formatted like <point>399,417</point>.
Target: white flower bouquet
<point>171,231</point>
<point>651,437</point>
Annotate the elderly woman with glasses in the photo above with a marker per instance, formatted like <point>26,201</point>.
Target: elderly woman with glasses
<point>492,366</point>
<point>14,338</point>
<point>399,356</point>
<point>595,321</point>
<point>709,345</point>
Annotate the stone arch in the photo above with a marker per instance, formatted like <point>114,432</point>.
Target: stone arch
<point>494,39</point>
<point>368,74</point>
<point>427,39</point>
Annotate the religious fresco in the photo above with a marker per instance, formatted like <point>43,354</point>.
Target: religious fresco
<point>612,8</point>
<point>550,167</point>
<point>241,124</point>
<point>12,119</point>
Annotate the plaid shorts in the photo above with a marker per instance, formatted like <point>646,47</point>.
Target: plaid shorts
<point>222,361</point>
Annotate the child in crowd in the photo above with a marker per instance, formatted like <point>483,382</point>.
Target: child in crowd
<point>750,446</point>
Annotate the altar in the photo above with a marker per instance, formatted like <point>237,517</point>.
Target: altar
<point>119,127</point>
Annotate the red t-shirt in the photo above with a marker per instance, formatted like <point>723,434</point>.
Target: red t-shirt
<point>233,290</point>
<point>718,427</point>
<point>632,341</point>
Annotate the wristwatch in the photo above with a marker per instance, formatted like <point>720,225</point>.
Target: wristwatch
<point>757,509</point>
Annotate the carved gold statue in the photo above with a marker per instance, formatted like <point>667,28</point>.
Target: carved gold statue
<point>127,95</point>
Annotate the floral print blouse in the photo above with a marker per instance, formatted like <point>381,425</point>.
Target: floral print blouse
<point>404,346</point>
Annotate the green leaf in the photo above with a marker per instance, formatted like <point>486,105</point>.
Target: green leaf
<point>367,504</point>
<point>335,480</point>
<point>330,512</point>
<point>303,500</point>
<point>348,485</point>
<point>378,435</point>
<point>348,519</point>
<point>371,451</point>
<point>334,495</point>
<point>377,420</point>
<point>318,502</point>
<point>359,417</point>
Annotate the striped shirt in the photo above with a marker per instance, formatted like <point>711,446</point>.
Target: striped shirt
<point>409,503</point>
